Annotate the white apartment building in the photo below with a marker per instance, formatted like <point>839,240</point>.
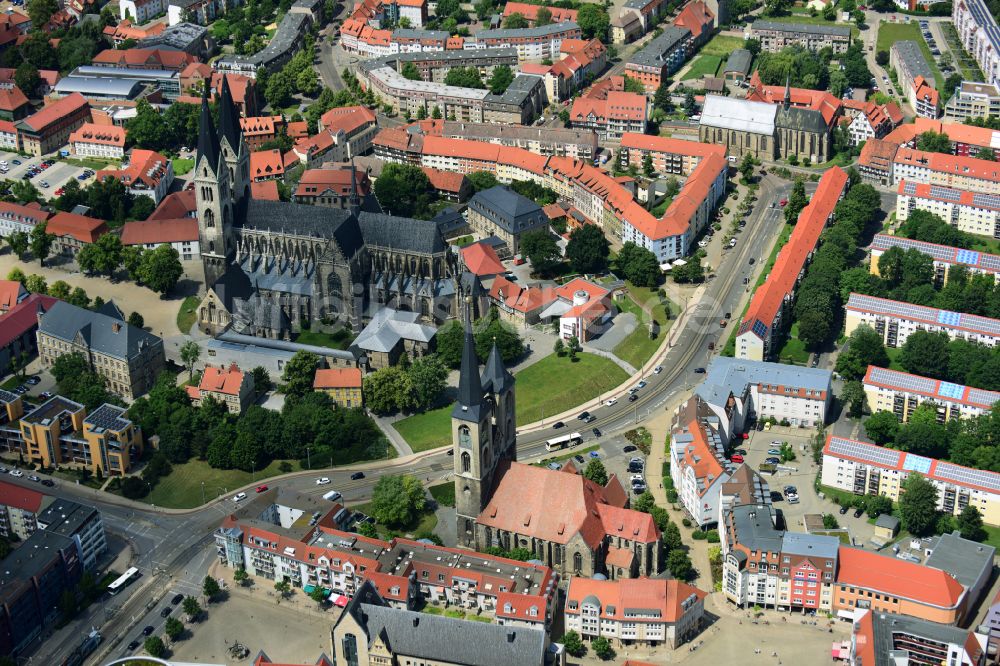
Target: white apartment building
<point>18,509</point>
<point>698,465</point>
<point>901,393</point>
<point>140,11</point>
<point>83,524</point>
<point>15,217</point>
<point>944,257</point>
<point>895,321</point>
<point>8,136</point>
<point>956,171</point>
<point>643,611</point>
<point>92,140</point>
<point>867,469</point>
<point>973,100</point>
<point>972,212</point>
<point>979,34</point>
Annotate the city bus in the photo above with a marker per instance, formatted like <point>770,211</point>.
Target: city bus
<point>123,581</point>
<point>563,441</point>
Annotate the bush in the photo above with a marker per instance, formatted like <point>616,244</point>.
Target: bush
<point>686,522</point>
<point>672,497</point>
<point>698,535</point>
<point>712,536</point>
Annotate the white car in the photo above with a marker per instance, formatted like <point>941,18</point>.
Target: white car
<point>637,478</point>
<point>703,243</point>
<point>332,496</point>
<point>16,472</point>
<point>240,497</point>
<point>322,481</point>
<point>658,369</point>
<point>611,402</point>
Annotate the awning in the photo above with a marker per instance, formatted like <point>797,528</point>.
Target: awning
<point>846,615</point>
<point>339,600</point>
<point>308,589</point>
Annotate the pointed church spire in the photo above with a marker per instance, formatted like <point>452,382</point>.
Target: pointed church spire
<point>496,378</point>
<point>208,140</point>
<point>788,91</point>
<point>470,389</point>
<point>354,203</point>
<point>229,119</point>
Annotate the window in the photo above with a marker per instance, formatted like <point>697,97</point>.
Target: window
<point>349,648</point>
<point>466,462</point>
<point>577,562</point>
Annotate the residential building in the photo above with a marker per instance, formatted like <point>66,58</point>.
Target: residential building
<point>583,308</point>
<point>331,187</point>
<point>535,43</point>
<point>228,385</point>
<point>391,333</point>
<point>894,321</point>
<point>766,318</point>
<point>80,523</point>
<point>977,32</point>
<point>582,60</point>
<point>19,506</point>
<point>868,469</point>
<point>945,258</point>
<point>352,128</point>
<point>105,141</point>
<point>126,31</point>
<point>481,260</point>
<point>776,35</point>
<point>966,140</point>
<point>640,611</point>
<point>179,233</point>
<point>285,42</point>
<point>9,137</point>
<point>971,212</point>
<point>143,59</point>
<point>48,130</point>
<point>13,104</point>
<point>266,165</point>
<point>578,144</point>
<point>448,185</point>
<point>530,12</point>
<point>876,160</point>
<point>128,357</point>
<point>670,156</point>
<point>188,37</point>
<point>698,465</point>
<point>501,212</point>
<point>878,636</point>
<point>202,12</point>
<point>141,11</point>
<point>660,58</point>
<point>12,292</point>
<point>618,113</point>
<point>343,385</point>
<point>699,19</point>
<point>258,130</point>
<point>147,174</point>
<point>901,393</point>
<point>915,76</point>
<point>371,632</point>
<point>18,326</point>
<point>73,232</point>
<point>874,121</point>
<point>972,99</point>
<point>954,171</point>
<point>735,387</point>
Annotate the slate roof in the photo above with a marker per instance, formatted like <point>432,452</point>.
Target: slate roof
<point>739,61</point>
<point>304,220</point>
<point>65,321</point>
<point>389,326</point>
<point>796,118</point>
<point>515,213</point>
<point>382,230</point>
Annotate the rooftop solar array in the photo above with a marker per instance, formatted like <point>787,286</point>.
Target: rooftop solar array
<point>871,453</point>
<point>986,200</point>
<point>902,380</point>
<point>909,187</point>
<point>108,417</point>
<point>982,397</point>
<point>875,305</point>
<point>945,193</point>
<point>915,463</point>
<point>931,387</point>
<point>947,471</point>
<point>967,257</point>
<point>759,328</point>
<point>951,391</point>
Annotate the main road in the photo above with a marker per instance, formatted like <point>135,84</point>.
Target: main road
<point>171,547</point>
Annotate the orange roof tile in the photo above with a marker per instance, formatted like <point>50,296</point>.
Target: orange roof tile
<point>266,164</point>
<point>923,90</point>
<point>297,129</point>
<point>346,118</point>
<point>175,205</point>
<point>154,232</point>
<point>481,259</point>
<point>261,125</point>
<point>20,497</point>
<point>618,597</point>
<point>57,110</point>
<point>818,100</point>
<point>530,12</point>
<point>899,578</point>
<point>227,381</point>
<point>12,99</point>
<point>445,181</point>
<point>10,292</point>
<point>328,378</point>
<point>82,228</point>
<point>145,58</point>
<point>696,17</point>
<point>519,606</point>
<point>106,135</point>
<point>145,170</point>
<point>617,106</point>
<point>960,165</point>
<point>265,191</point>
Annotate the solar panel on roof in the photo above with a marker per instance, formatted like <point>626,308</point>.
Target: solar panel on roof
<point>945,193</point>
<point>982,396</point>
<point>986,200</point>
<point>867,452</point>
<point>903,380</point>
<point>967,257</point>
<point>949,318</point>
<point>914,463</point>
<point>951,391</point>
<point>964,475</point>
<point>759,328</point>
<point>909,188</point>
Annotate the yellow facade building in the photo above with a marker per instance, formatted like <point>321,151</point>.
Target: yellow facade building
<point>343,385</point>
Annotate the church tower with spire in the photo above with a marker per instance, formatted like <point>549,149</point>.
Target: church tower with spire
<point>213,198</point>
<point>234,150</point>
<point>483,432</point>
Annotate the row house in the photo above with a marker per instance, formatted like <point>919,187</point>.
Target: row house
<point>901,393</point>
<point>698,465</point>
<point>776,35</point>
<point>895,321</point>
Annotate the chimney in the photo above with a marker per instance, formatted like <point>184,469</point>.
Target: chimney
<point>416,620</point>
<point>116,327</point>
<point>510,636</point>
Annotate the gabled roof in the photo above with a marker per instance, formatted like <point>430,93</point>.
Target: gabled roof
<point>12,99</point>
<point>266,164</point>
<point>61,108</point>
<point>327,378</point>
<point>899,578</point>
<point>106,135</point>
<point>696,17</point>
<point>265,191</point>
<point>20,497</point>
<point>174,206</point>
<point>347,119</point>
<point>227,381</point>
<point>482,259</point>
<point>155,232</point>
<point>23,317</point>
<point>12,292</point>
<point>82,228</point>
<point>633,599</point>
<point>102,332</point>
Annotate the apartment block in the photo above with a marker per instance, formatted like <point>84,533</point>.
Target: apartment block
<point>19,508</point>
<point>616,114</point>
<point>954,171</point>
<point>698,464</point>
<point>901,393</point>
<point>979,34</point>
<point>660,57</point>
<point>128,357</point>
<point>973,100</point>
<point>228,385</point>
<point>80,523</point>
<point>669,155</point>
<point>49,129</point>
<point>895,321</point>
<point>945,258</point>
<point>972,212</point>
<point>868,469</point>
<point>92,140</point>
<point>764,322</point>
<point>775,35</point>
<point>915,76</point>
<point>876,634</point>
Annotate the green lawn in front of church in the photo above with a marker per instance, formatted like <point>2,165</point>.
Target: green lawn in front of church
<point>550,386</point>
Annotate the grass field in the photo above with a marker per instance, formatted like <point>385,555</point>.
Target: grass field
<point>182,488</point>
<point>638,347</point>
<point>187,314</point>
<point>542,390</point>
<point>721,45</point>
<point>424,526</point>
<point>443,494</point>
<point>340,340</point>
<point>794,350</point>
<point>182,166</point>
<point>662,207</point>
<point>893,354</point>
<point>890,33</point>
<point>704,65</point>
<point>994,536</point>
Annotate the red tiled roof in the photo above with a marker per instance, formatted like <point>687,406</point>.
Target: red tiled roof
<point>147,58</point>
<point>64,106</point>
<point>23,317</point>
<point>82,228</point>
<point>817,100</point>
<point>175,205</point>
<point>899,578</point>
<point>768,299</point>
<point>266,164</point>
<point>669,146</point>
<point>105,135</point>
<point>530,12</point>
<point>928,191</point>
<point>261,125</point>
<point>10,293</point>
<point>960,165</point>
<point>879,153</point>
<point>925,91</point>
<point>981,137</point>
<point>346,118</point>
<point>125,30</point>
<point>521,299</point>
<point>328,378</point>
<point>445,181</point>
<point>297,129</point>
<point>265,191</point>
<point>481,259</point>
<point>12,99</point>
<point>20,497</point>
<point>155,232</point>
<point>696,17</point>
<point>145,170</point>
<point>335,179</point>
<point>617,106</point>
<point>221,380</point>
<point>618,597</point>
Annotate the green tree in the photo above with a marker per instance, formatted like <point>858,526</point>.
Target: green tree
<point>404,190</point>
<point>830,521</point>
<point>397,500</point>
<point>515,21</point>
<point>35,284</point>
<point>970,524</point>
<point>593,21</point>
<point>279,90</point>
<point>633,85</point>
<point>318,595</point>
<point>876,505</point>
<point>299,374</point>
<point>135,319</point>
<point>864,347</point>
<point>639,265</point>
<point>882,427</point>
<point>747,168</point>
<point>388,390</point>
<point>596,472</point>
<point>934,142</point>
<point>148,129</point>
<point>103,257</point>
<point>161,268</point>
<point>132,261</point>
<point>174,628</point>
<point>191,607</point>
<point>27,79</point>
<point>262,380</point>
<point>59,289</point>
<point>241,577</point>
<point>602,648</point>
<point>210,588</point>
<point>501,78</point>
<point>925,353</point>
<point>283,587</point>
<point>797,200</point>
<point>190,352</point>
<point>541,249</point>
<point>662,99</point>
<point>492,331</point>
<point>853,395</point>
<point>587,249</point>
<point>40,11</point>
<point>679,564</point>
<point>155,647</point>
<point>918,505</point>
<point>985,154</point>
<point>882,58</point>
<point>428,378</point>
<point>25,192</point>
<point>543,16</point>
<point>411,72</point>
<point>482,180</point>
<point>574,644</point>
<point>690,105</point>
<point>647,166</point>
<point>366,530</point>
<point>41,242</point>
<point>19,243</point>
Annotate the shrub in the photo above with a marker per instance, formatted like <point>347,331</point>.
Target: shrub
<point>686,522</point>
<point>698,535</point>
<point>712,536</point>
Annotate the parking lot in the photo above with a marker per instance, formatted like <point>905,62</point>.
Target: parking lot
<point>610,450</point>
<point>46,181</point>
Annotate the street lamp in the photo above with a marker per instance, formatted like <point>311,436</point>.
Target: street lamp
<point>308,461</point>
<point>202,492</point>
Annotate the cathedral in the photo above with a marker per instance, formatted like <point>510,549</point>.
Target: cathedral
<point>565,520</point>
<point>273,267</point>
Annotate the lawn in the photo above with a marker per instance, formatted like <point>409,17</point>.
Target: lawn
<point>890,33</point>
<point>182,488</point>
<point>721,45</point>
<point>794,350</point>
<point>638,347</point>
<point>662,207</point>
<point>566,456</point>
<point>542,390</point>
<point>183,166</point>
<point>92,162</point>
<point>443,494</point>
<point>187,314</point>
<point>994,536</point>
<point>341,339</point>
<point>893,354</point>
<point>985,244</point>
<point>426,522</point>
<point>704,65</point>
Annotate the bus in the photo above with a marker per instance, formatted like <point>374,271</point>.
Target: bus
<point>123,581</point>
<point>562,442</point>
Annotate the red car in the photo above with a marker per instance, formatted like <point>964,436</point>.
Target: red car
<point>783,202</point>
<point>261,489</point>
<point>744,435</point>
<point>737,458</point>
<point>60,192</point>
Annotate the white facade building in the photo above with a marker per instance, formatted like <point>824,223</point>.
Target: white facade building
<point>901,393</point>
<point>698,465</point>
<point>895,321</point>
<point>140,11</point>
<point>972,212</point>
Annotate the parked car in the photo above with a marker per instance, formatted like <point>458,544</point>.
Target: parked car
<point>791,490</point>
<point>332,496</point>
<point>737,458</point>
<point>32,381</point>
<point>34,478</point>
<point>742,452</point>
<point>240,497</point>
<point>555,466</point>
<point>177,599</point>
<point>844,509</point>
<point>16,473</point>
<point>793,499</point>
<point>166,611</point>
<point>658,369</point>
<point>557,425</point>
<point>322,481</point>
<point>147,630</point>
<point>641,384</point>
<point>610,402</point>
<point>357,476</point>
<point>133,646</point>
<point>45,395</point>
<point>773,452</point>
<point>783,202</point>
<point>772,460</point>
<point>858,512</point>
<point>595,454</point>
<point>629,449</point>
<point>699,371</point>
<point>580,459</point>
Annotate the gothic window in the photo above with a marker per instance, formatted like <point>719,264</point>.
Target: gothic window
<point>577,562</point>
<point>425,309</point>
<point>334,285</point>
<point>349,649</point>
<point>464,437</point>
<point>211,246</point>
<point>466,462</point>
<point>209,218</point>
